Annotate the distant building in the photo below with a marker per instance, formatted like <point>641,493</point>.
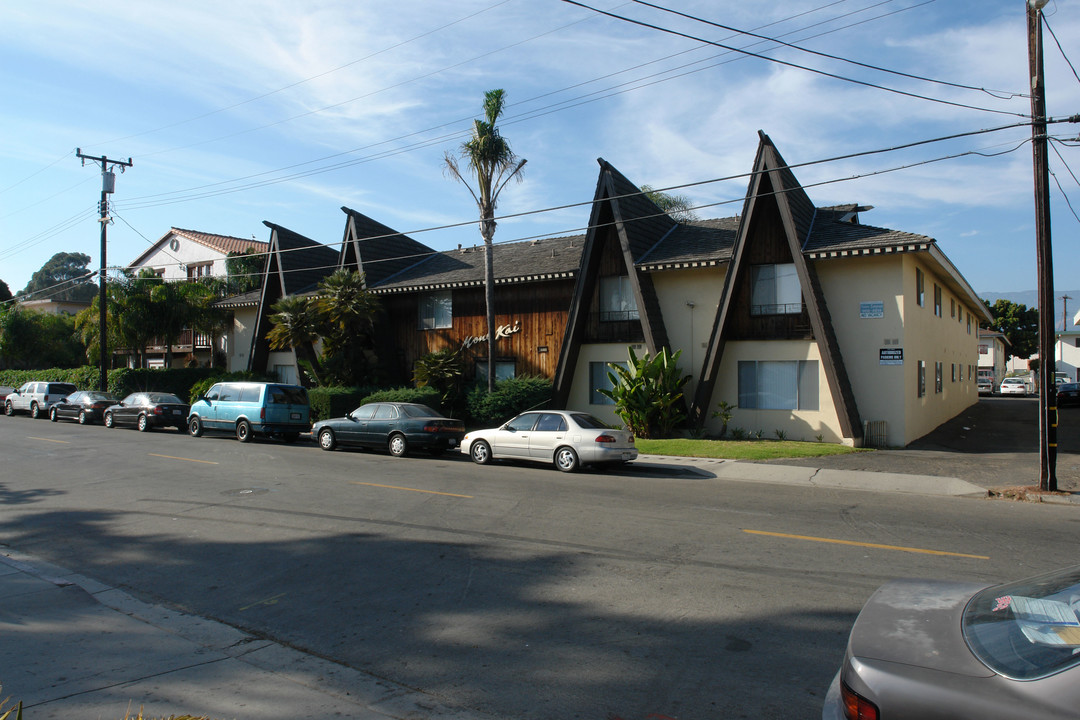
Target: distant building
<point>189,255</point>
<point>54,307</point>
<point>992,364</point>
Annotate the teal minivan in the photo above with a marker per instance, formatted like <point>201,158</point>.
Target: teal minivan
<point>251,408</point>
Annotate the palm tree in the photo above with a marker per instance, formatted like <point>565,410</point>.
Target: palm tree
<point>493,164</point>
<point>347,312</point>
<point>295,326</point>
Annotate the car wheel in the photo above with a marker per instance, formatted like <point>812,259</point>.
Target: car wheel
<point>195,427</point>
<point>9,409</point>
<point>327,441</point>
<point>480,452</point>
<point>243,431</point>
<point>83,420</point>
<point>142,424</point>
<point>35,410</point>
<point>566,459</point>
<point>52,415</point>
<point>108,420</point>
<point>398,445</point>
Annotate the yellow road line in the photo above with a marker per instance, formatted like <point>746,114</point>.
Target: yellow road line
<point>268,601</point>
<point>173,457</point>
<point>395,487</point>
<point>62,442</point>
<point>865,545</point>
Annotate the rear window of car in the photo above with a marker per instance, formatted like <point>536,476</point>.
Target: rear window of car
<point>588,421</point>
<point>285,395</point>
<point>1029,629</point>
<point>419,411</point>
<point>60,389</point>
<point>162,398</point>
<point>99,397</point>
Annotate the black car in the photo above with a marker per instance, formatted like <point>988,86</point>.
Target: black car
<point>398,427</point>
<point>1068,394</point>
<point>86,406</point>
<point>148,410</point>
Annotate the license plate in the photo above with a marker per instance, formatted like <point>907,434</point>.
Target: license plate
<point>626,456</point>
<point>453,442</point>
<point>175,411</point>
<point>295,416</point>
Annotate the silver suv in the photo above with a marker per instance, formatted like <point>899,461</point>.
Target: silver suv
<point>36,397</point>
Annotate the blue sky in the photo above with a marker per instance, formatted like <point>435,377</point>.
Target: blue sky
<point>238,112</point>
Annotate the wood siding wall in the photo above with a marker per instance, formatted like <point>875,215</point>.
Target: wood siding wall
<point>540,309</point>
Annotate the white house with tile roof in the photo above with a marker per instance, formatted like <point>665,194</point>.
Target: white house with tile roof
<point>188,254</point>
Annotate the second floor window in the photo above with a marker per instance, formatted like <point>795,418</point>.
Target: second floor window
<point>775,290</point>
<point>617,299</point>
<point>920,287</point>
<point>436,310</point>
<point>198,270</point>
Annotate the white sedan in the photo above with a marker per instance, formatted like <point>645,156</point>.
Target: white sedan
<point>1013,386</point>
<point>566,438</point>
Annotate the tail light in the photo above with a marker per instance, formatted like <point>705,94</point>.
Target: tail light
<point>262,414</point>
<point>856,707</point>
<point>605,438</point>
<point>158,410</point>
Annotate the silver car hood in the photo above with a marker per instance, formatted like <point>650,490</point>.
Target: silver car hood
<point>917,622</point>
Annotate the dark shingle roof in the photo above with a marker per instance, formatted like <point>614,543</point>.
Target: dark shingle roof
<point>702,242</point>
<point>645,223</point>
<point>302,261</point>
<point>513,263</point>
<point>830,236</point>
<point>383,251</point>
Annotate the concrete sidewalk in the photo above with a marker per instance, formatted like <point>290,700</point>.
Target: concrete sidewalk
<point>73,648</point>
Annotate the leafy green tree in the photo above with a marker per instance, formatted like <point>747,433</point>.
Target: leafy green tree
<point>65,276</point>
<point>5,291</point>
<point>345,315</point>
<point>492,164</point>
<point>679,207</point>
<point>648,393</point>
<point>295,326</point>
<point>1019,323</point>
<point>444,371</point>
<point>35,340</point>
<point>244,270</point>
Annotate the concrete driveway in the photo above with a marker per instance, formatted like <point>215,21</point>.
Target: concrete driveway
<point>994,443</point>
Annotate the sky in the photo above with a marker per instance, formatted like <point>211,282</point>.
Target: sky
<point>235,113</point>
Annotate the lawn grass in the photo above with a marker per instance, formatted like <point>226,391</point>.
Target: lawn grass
<point>740,449</point>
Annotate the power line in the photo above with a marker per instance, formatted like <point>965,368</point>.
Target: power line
<point>993,93</point>
<point>1046,23</point>
<point>791,64</point>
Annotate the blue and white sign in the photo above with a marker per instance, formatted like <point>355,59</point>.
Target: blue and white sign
<point>872,310</point>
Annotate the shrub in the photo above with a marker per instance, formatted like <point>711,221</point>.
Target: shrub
<point>426,396</point>
<point>511,397</point>
<point>648,393</point>
<point>332,402</point>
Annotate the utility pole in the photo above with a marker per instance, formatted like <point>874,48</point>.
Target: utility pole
<point>108,186</point>
<point>1065,311</point>
<point>1044,257</point>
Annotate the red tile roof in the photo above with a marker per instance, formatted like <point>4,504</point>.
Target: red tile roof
<point>222,243</point>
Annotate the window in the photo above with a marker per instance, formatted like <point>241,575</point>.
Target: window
<point>775,290</point>
<point>969,323</point>
<point>922,378</point>
<point>778,384</point>
<point>952,307</point>
<point>551,422</point>
<point>599,380</point>
<point>617,299</point>
<point>937,299</point>
<point>953,371</point>
<point>504,370</point>
<point>385,412</point>
<point>199,270</point>
<point>436,310</point>
<point>920,288</point>
<point>939,373</point>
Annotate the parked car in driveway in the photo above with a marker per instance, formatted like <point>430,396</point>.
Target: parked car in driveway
<point>5,390</point>
<point>986,386</point>
<point>1013,386</point>
<point>148,410</point>
<point>86,406</point>
<point>36,397</point>
<point>568,439</point>
<point>1068,394</point>
<point>941,650</point>
<point>251,408</point>
<point>398,427</point>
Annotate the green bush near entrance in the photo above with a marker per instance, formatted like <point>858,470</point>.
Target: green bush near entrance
<point>511,396</point>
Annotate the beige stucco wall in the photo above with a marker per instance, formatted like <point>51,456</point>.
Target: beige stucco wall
<point>579,389</point>
<point>933,339</point>
<point>238,338</point>
<point>174,261</point>
<point>688,327</point>
<point>794,424</point>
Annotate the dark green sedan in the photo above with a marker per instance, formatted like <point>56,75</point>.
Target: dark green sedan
<point>394,426</point>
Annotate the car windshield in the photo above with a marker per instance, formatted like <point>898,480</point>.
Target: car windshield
<point>1029,629</point>
<point>165,398</point>
<point>419,411</point>
<point>588,421</point>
